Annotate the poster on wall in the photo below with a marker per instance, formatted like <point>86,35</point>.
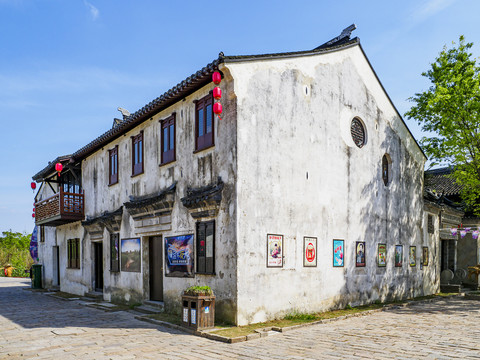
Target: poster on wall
<point>425,256</point>
<point>360,254</point>
<point>130,255</point>
<point>274,250</point>
<point>413,255</point>
<point>179,256</point>
<point>382,255</point>
<point>338,253</point>
<point>398,255</point>
<point>309,251</point>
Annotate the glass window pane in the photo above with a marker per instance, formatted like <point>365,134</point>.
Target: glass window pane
<point>209,119</point>
<point>172,136</point>
<point>135,153</point>
<point>165,139</point>
<point>209,250</point>
<point>200,122</point>
<point>140,156</point>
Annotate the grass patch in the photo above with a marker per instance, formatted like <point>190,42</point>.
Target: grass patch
<point>301,318</point>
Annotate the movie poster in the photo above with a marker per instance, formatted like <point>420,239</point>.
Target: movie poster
<point>338,253</point>
<point>398,255</point>
<point>413,256</point>
<point>274,250</point>
<point>130,255</point>
<point>309,251</point>
<point>360,254</point>
<point>179,256</point>
<point>382,255</point>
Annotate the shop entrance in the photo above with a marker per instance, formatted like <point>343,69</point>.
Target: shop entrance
<point>156,268</point>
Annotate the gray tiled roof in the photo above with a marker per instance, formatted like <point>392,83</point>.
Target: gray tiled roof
<point>442,181</point>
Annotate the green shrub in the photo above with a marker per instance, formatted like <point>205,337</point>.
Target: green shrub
<point>199,290</point>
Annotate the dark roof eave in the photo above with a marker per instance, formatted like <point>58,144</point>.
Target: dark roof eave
<point>50,168</point>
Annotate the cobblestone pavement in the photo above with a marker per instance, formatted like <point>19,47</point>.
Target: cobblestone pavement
<point>33,325</point>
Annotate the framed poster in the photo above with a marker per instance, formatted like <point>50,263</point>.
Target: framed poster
<point>360,254</point>
<point>274,250</point>
<point>413,256</point>
<point>179,256</point>
<point>398,255</point>
<point>382,255</point>
<point>338,253</point>
<point>131,259</point>
<point>309,251</point>
<point>425,256</point>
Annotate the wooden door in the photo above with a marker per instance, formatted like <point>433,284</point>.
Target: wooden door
<point>156,268</point>
<point>98,266</point>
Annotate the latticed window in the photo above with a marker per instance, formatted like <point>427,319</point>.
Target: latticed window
<point>358,132</point>
<point>73,253</point>
<point>204,124</point>
<point>431,226</point>
<point>168,139</point>
<point>206,247</point>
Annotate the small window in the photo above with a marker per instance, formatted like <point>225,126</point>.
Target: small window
<point>113,165</point>
<point>42,234</point>
<point>114,253</point>
<point>358,132</point>
<point>204,125</point>
<point>206,247</point>
<point>385,170</point>
<point>73,253</point>
<point>431,226</point>
<point>137,154</point>
<point>168,139</point>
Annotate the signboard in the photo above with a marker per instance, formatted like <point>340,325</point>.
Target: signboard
<point>274,250</point>
<point>382,255</point>
<point>309,251</point>
<point>338,253</point>
<point>360,253</point>
<point>179,256</point>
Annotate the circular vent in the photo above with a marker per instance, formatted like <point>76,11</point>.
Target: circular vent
<point>358,132</point>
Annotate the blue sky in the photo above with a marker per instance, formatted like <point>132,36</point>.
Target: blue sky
<point>65,66</point>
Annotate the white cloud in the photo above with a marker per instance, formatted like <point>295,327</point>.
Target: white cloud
<point>429,8</point>
<point>93,10</point>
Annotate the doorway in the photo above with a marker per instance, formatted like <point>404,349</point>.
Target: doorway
<point>156,268</point>
<point>98,266</point>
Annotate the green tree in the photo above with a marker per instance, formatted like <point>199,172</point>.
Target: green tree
<point>450,112</point>
<point>15,250</point>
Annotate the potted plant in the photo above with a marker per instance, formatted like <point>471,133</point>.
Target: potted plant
<point>198,307</point>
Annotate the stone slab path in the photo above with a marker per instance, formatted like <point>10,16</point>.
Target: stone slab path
<point>36,326</point>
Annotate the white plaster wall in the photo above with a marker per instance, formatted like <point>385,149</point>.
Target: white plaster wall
<point>189,170</point>
<point>431,277</point>
<point>299,174</point>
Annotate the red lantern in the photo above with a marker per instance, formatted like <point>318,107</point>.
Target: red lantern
<point>33,215</point>
<point>33,185</point>
<point>217,108</point>
<point>217,92</point>
<point>59,168</point>
<point>216,78</point>
<point>33,209</point>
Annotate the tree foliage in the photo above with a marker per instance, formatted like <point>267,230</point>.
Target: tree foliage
<point>450,111</point>
<point>15,251</point>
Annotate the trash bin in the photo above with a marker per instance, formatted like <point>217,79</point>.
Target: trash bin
<point>198,311</point>
<point>37,276</point>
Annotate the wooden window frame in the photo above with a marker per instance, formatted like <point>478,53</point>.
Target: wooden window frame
<point>42,233</point>
<point>430,224</point>
<point>113,166</point>
<point>73,253</point>
<point>114,262</point>
<point>137,168</point>
<point>205,265</point>
<point>169,155</point>
<point>205,140</point>
<point>385,170</point>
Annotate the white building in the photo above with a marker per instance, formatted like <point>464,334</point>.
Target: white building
<point>309,151</point>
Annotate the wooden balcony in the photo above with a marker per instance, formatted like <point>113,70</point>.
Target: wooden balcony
<point>59,209</point>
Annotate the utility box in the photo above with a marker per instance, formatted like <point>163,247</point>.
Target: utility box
<point>198,312</point>
<point>36,276</point>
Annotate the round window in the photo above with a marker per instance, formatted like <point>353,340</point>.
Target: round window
<point>358,132</point>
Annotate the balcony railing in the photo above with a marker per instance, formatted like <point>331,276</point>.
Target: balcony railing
<point>61,208</point>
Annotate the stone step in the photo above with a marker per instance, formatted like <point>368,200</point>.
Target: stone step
<point>147,309</point>
<point>157,304</point>
<point>94,295</point>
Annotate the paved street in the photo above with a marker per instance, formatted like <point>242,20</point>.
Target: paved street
<point>33,325</point>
